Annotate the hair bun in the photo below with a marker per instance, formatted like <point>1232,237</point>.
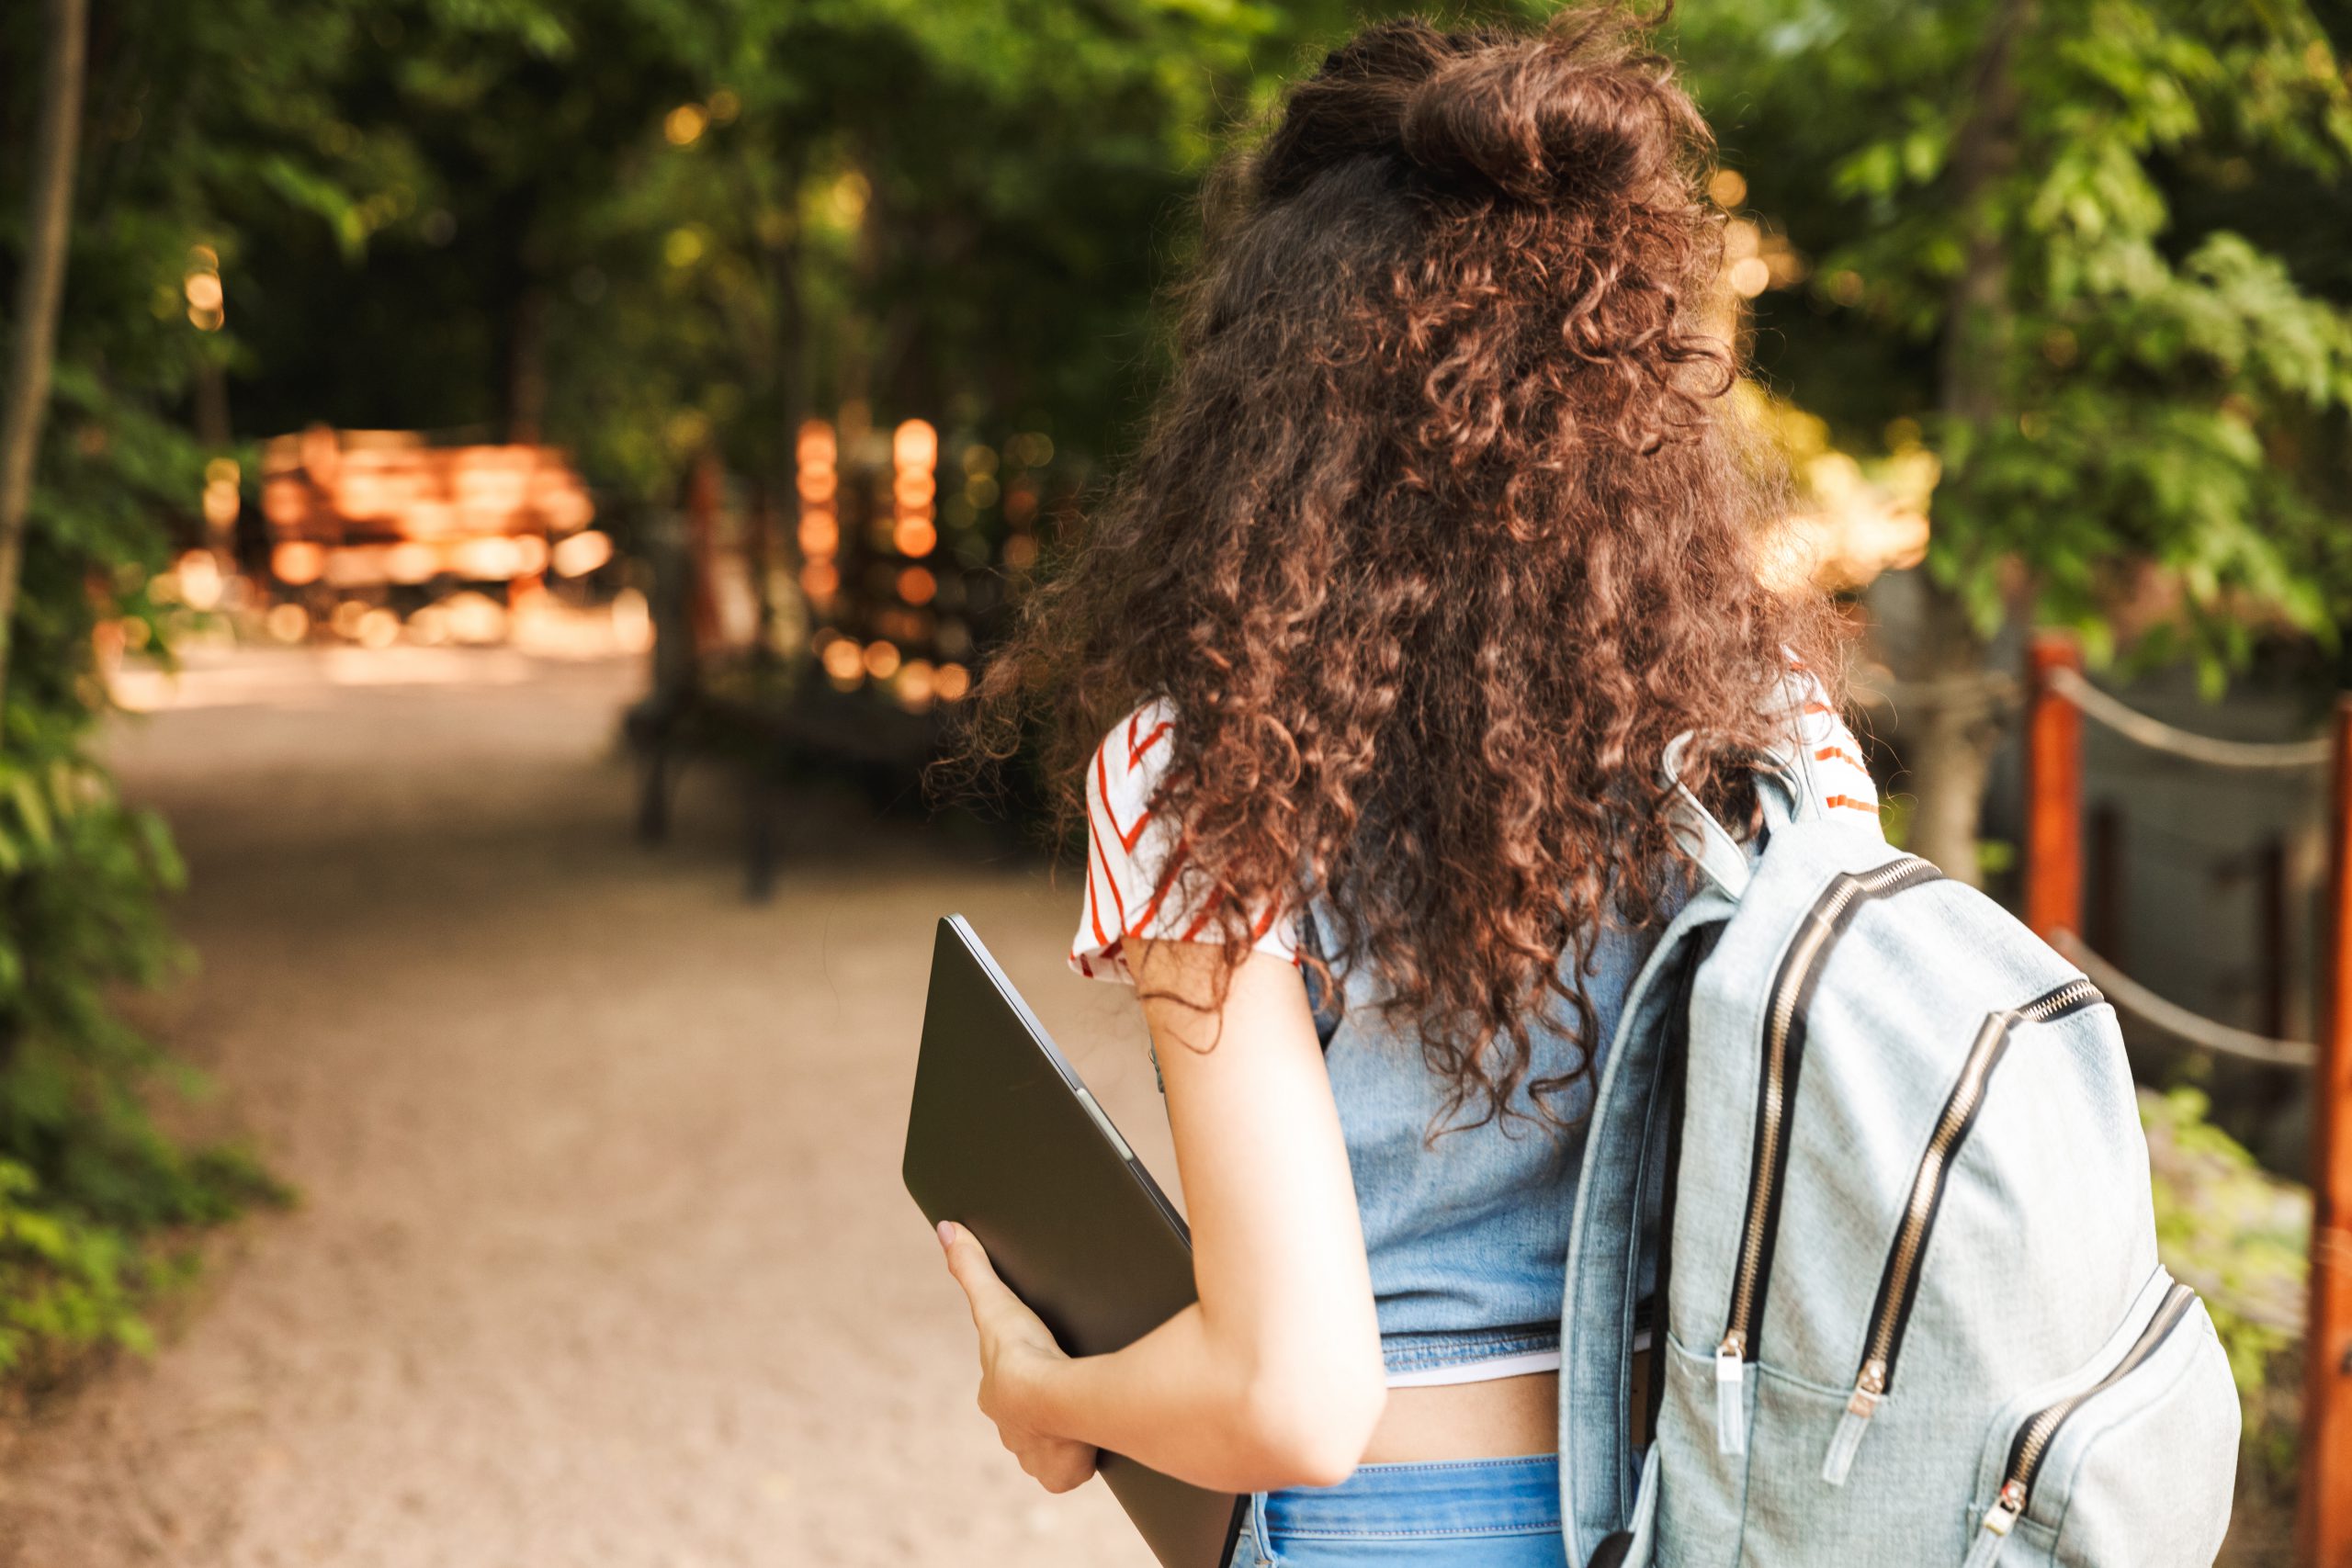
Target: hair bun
<point>1535,122</point>
<point>1571,114</point>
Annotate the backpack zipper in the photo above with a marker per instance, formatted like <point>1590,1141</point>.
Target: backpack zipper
<point>1898,1284</point>
<point>2032,1442</point>
<point>1784,1048</point>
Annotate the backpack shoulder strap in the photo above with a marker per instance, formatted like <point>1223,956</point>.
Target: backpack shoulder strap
<point>1784,781</point>
<point>1609,1234</point>
<point>1673,1058</point>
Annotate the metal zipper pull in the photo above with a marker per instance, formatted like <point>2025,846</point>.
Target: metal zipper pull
<point>1868,1389</point>
<point>1999,1520</point>
<point>1731,1395</point>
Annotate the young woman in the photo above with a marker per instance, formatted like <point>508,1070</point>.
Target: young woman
<point>1443,530</point>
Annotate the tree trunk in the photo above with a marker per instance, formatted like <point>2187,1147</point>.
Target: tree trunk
<point>526,368</point>
<point>1932,645</point>
<point>794,403</point>
<point>213,431</point>
<point>40,284</point>
<point>1951,762</point>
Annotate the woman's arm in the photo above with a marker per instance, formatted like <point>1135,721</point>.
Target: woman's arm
<point>1274,1377</point>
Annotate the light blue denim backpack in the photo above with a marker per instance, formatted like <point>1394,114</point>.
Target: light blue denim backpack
<point>1866,1155</point>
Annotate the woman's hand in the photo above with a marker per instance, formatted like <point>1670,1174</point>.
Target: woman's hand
<point>1017,1351</point>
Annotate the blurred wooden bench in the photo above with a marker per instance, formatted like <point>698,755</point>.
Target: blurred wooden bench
<point>774,740</point>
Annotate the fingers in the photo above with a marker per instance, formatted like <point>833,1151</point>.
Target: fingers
<point>1058,1466</point>
<point>1082,1466</point>
<point>968,1262</point>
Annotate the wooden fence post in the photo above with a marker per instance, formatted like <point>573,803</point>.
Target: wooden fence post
<point>2326,1510</point>
<point>2054,791</point>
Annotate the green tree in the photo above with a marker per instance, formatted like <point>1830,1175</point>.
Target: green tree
<point>644,227</point>
<point>189,114</point>
<point>2091,253</point>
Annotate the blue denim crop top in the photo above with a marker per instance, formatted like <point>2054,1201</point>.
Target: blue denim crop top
<point>1467,1237</point>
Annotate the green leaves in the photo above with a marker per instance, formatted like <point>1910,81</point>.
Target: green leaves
<point>306,188</point>
<point>539,29</point>
<point>215,111</point>
<point>2239,1236</point>
<point>66,1285</point>
<point>2168,342</point>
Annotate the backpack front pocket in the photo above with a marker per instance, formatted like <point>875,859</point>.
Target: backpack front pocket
<point>2131,1460</point>
<point>1899,1280</point>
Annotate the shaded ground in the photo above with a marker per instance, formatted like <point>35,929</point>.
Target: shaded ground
<point>602,1256</point>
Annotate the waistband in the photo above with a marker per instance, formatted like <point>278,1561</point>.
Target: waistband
<point>1413,1350</point>
<point>1454,1496</point>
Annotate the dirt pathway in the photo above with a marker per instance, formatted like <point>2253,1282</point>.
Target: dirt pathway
<point>602,1258</point>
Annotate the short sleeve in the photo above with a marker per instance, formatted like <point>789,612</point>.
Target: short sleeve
<point>1136,889</point>
<point>1839,773</point>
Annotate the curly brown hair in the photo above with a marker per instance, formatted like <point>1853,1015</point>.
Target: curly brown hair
<point>1441,531</point>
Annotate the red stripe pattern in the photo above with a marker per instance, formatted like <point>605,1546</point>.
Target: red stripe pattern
<point>1136,889</point>
<point>1838,772</point>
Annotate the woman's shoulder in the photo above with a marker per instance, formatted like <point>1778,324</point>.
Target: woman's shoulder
<point>1832,755</point>
<point>1126,850</point>
<point>1137,885</point>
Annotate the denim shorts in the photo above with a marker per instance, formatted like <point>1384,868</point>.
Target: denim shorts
<point>1460,1513</point>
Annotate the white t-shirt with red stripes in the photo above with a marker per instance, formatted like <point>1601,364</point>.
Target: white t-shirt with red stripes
<point>1135,886</point>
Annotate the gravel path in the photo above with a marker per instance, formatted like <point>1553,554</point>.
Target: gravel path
<point>602,1256</point>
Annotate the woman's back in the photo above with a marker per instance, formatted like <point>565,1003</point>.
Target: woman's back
<point>1442,531</point>
<point>1466,1230</point>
